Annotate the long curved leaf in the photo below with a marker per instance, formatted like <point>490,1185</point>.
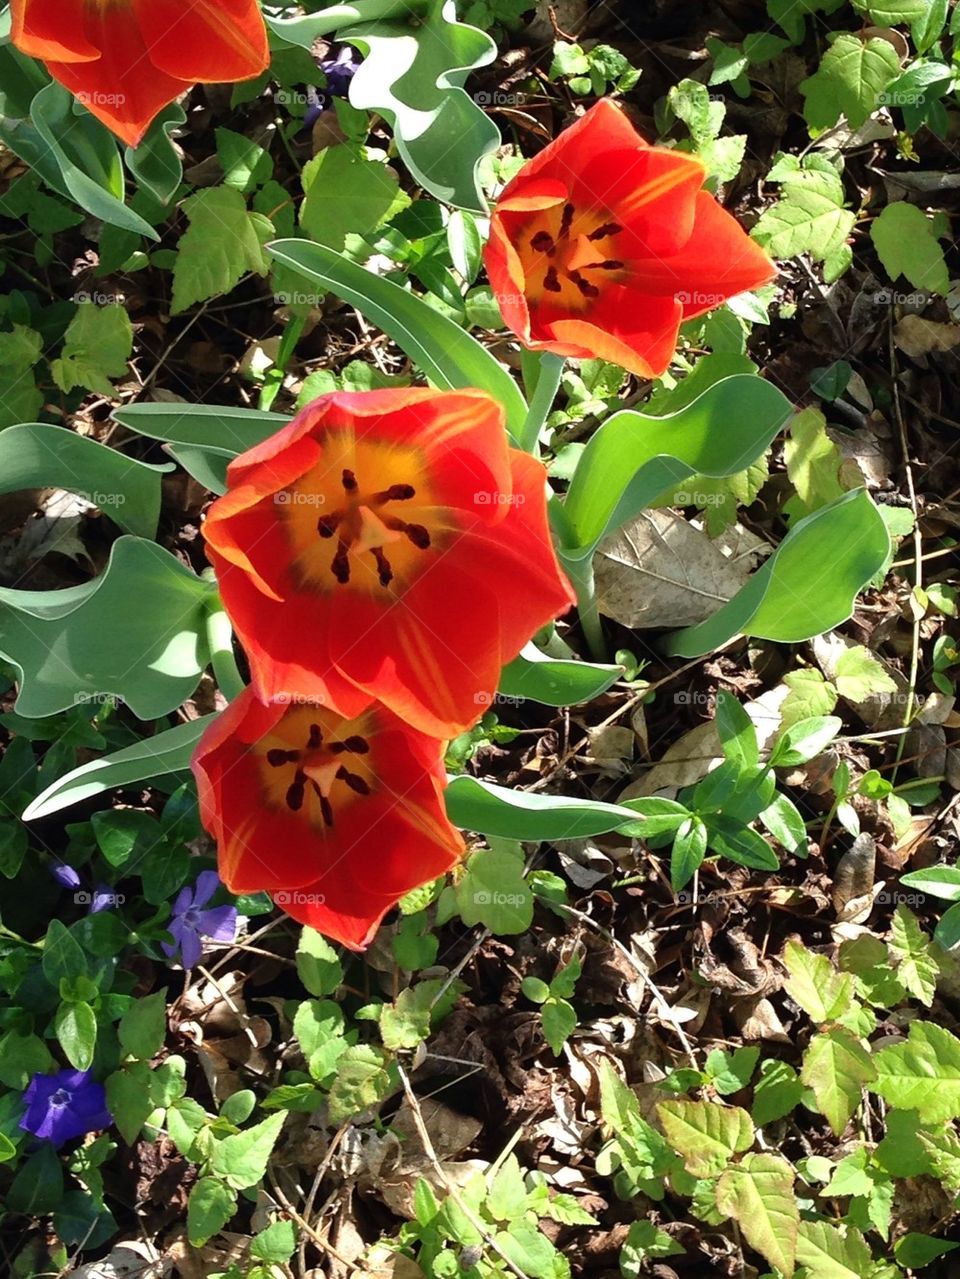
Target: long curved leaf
<point>87,641</point>
<point>418,56</point>
<point>36,456</point>
<point>634,458</point>
<point>512,814</point>
<point>165,753</point>
<point>809,585</point>
<point>556,681</point>
<point>449,356</point>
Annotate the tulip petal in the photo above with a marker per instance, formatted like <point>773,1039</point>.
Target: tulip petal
<point>54,30</point>
<point>122,88</point>
<point>717,262</point>
<point>343,877</point>
<point>209,41</point>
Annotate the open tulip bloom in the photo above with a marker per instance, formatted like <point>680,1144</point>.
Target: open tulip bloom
<point>602,246</point>
<point>387,545</point>
<point>336,818</point>
<point>126,60</point>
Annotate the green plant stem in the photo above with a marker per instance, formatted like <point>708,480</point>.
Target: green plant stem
<point>549,372</point>
<point>580,573</point>
<point>220,642</point>
<point>21,941</point>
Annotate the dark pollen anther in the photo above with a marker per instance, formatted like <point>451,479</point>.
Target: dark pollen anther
<point>543,242</point>
<point>349,481</point>
<point>551,281</point>
<point>568,212</point>
<point>608,228</point>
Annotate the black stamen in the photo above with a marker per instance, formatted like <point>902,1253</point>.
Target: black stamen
<point>276,758</point>
<point>315,739</point>
<point>326,809</point>
<point>565,221</point>
<point>353,781</point>
<point>296,790</point>
<point>349,481</point>
<point>611,265</point>
<point>327,524</point>
<point>384,571</point>
<point>551,281</point>
<point>341,563</point>
<point>355,745</point>
<point>418,535</point>
<point>395,493</point>
<point>586,288</point>
<point>608,228</point>
<point>543,242</point>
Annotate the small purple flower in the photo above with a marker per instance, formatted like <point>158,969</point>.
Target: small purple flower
<point>103,898</point>
<point>190,922</point>
<point>65,875</point>
<point>338,72</point>
<point>65,1105</point>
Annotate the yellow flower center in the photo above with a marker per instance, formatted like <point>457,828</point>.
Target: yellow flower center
<point>314,763</point>
<point>364,517</point>
<point>569,256</point>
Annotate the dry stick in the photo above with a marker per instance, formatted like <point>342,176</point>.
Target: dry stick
<point>323,1244</point>
<point>445,1181</point>
<point>917,549</point>
<point>666,1012</point>
<point>231,1004</point>
<point>315,1187</point>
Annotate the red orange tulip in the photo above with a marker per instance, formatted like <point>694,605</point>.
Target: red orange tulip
<point>125,60</point>
<point>602,246</point>
<point>387,545</point>
<point>336,818</point>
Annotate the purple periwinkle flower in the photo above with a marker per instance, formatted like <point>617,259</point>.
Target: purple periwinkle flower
<point>338,72</point>
<point>103,898</point>
<point>65,875</point>
<point>190,922</point>
<point>65,1105</point>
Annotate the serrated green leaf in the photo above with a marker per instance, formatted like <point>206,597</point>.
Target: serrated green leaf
<point>824,994</point>
<point>211,1205</point>
<point>758,1194</point>
<point>706,1134</point>
<point>859,675</point>
<point>836,1067</point>
<point>922,1073</point>
<point>906,242</point>
<point>222,243</point>
<point>346,194</point>
<point>918,968</point>
<point>809,217</point>
<point>849,81</point>
<point>97,344</point>
<point>362,1081</point>
<point>832,1252</point>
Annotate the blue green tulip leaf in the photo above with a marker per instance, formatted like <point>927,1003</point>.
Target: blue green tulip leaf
<point>808,585</point>
<point>163,755</point>
<point>33,455</point>
<point>87,642</point>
